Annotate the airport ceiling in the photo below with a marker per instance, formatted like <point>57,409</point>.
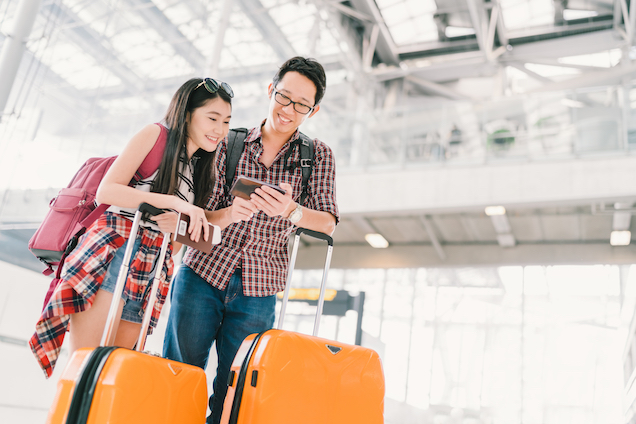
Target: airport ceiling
<point>95,71</point>
<point>117,62</point>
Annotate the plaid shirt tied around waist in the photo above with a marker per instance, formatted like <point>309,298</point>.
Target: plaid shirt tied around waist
<point>260,246</point>
<point>83,274</point>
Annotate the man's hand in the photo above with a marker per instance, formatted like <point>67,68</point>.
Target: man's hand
<point>274,203</point>
<point>242,210</point>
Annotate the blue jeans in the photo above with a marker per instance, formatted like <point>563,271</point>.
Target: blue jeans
<point>201,314</point>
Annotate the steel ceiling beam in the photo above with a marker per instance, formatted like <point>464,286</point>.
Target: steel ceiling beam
<point>437,88</point>
<point>550,62</point>
<point>501,28</point>
<point>14,47</point>
<point>58,90</point>
<point>272,34</point>
<point>538,34</point>
<point>353,53</point>
<point>428,226</point>
<point>90,42</point>
<point>531,74</point>
<point>369,47</point>
<point>610,76</point>
<point>632,20</point>
<point>478,17</point>
<point>169,32</point>
<point>346,10</point>
<point>437,48</point>
<point>232,75</point>
<point>385,46</point>
<point>314,35</point>
<point>212,68</point>
<point>492,31</point>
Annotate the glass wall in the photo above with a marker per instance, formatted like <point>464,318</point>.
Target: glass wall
<point>494,345</point>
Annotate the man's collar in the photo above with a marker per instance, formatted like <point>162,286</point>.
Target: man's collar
<point>258,133</point>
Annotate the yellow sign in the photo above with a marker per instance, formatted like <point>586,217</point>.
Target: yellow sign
<point>309,294</point>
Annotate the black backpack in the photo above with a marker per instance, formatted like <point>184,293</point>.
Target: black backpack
<point>236,143</point>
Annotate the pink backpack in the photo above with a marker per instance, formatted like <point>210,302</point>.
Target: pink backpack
<point>74,208</point>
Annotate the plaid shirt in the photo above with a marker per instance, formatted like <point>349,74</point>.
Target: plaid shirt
<point>259,246</point>
<point>83,273</point>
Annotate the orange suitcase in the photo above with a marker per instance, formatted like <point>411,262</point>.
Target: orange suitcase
<point>283,377</point>
<point>122,386</point>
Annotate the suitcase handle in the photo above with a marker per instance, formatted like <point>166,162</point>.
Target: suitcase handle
<point>323,284</point>
<point>147,210</point>
<point>315,234</point>
<point>144,211</point>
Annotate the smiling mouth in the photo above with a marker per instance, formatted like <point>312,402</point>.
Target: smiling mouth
<point>284,120</point>
<point>212,139</point>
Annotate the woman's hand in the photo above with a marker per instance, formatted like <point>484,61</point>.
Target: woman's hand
<point>166,221</point>
<point>198,221</point>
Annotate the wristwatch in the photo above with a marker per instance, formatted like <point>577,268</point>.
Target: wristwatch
<point>296,215</point>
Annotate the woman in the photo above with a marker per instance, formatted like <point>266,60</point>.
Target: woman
<point>197,120</point>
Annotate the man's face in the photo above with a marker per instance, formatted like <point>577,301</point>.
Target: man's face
<point>297,88</point>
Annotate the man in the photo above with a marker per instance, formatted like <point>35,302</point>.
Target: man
<point>230,293</point>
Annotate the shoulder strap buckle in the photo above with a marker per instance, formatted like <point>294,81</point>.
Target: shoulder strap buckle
<point>305,163</point>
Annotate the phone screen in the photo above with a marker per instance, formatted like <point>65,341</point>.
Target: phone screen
<point>244,186</point>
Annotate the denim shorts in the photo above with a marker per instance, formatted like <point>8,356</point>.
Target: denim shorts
<point>132,309</point>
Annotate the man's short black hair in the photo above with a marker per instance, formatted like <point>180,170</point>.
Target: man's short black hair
<point>307,67</point>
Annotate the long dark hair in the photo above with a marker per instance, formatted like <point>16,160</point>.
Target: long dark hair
<point>187,98</point>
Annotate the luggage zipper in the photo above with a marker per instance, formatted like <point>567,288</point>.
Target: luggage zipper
<point>85,387</point>
<point>240,383</point>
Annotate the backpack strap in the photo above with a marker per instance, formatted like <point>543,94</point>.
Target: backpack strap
<point>235,145</point>
<point>149,165</point>
<point>147,168</point>
<point>306,163</point>
<point>153,158</point>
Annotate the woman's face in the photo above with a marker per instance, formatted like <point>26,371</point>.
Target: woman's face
<point>208,125</point>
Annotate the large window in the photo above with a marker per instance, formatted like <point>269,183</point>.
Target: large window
<point>507,345</point>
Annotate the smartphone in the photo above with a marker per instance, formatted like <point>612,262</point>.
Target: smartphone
<point>245,186</point>
<point>181,235</point>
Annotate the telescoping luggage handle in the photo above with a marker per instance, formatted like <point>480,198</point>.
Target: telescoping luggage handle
<point>144,212</point>
<point>323,284</point>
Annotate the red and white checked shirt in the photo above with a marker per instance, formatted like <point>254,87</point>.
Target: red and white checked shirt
<point>260,245</point>
<point>84,272</point>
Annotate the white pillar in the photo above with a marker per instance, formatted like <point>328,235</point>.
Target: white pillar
<point>14,46</point>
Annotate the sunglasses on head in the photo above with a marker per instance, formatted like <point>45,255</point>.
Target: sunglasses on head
<point>213,86</point>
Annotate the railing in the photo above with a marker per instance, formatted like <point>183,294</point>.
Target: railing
<point>535,128</point>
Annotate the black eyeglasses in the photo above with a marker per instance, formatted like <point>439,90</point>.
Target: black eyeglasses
<point>213,86</point>
<point>298,107</point>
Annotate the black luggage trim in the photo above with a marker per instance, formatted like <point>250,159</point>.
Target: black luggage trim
<point>85,387</point>
<point>240,383</point>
